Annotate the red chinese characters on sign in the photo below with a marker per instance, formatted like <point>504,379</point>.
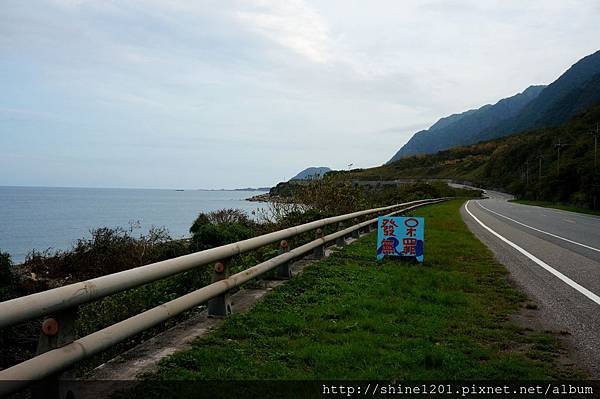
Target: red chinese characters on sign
<point>411,226</point>
<point>389,227</point>
<point>409,246</point>
<point>387,246</point>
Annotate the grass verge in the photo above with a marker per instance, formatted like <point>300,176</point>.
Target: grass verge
<point>350,317</point>
<point>562,207</point>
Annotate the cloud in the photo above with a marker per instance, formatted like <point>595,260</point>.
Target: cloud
<point>272,84</point>
<point>292,24</point>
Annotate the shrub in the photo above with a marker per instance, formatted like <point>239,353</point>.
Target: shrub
<point>222,216</point>
<point>6,276</point>
<point>579,199</point>
<point>108,250</point>
<point>274,216</point>
<point>221,227</point>
<point>298,217</point>
<point>330,197</point>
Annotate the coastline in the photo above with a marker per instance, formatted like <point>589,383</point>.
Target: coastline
<point>65,215</point>
<point>266,197</point>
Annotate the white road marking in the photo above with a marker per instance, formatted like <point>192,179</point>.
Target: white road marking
<point>541,231</point>
<point>567,280</point>
<point>572,214</point>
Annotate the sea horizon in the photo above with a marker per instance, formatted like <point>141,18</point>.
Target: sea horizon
<point>42,218</point>
<point>265,188</point>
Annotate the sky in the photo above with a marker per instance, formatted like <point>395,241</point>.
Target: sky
<point>227,93</point>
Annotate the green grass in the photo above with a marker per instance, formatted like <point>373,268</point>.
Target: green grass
<point>563,207</point>
<point>350,317</point>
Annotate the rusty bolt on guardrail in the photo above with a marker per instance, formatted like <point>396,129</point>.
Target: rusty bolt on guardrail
<point>283,271</point>
<point>50,327</point>
<point>319,252</point>
<point>220,306</point>
<point>57,331</point>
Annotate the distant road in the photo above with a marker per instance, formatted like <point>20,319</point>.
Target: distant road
<point>554,256</point>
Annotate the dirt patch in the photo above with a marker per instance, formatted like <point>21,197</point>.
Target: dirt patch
<point>530,318</point>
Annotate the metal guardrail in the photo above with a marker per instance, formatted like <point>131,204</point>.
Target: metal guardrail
<point>62,353</point>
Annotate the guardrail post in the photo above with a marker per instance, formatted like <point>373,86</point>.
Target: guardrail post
<point>319,252</point>
<point>56,331</point>
<point>283,271</point>
<point>340,241</point>
<point>356,233</point>
<point>372,226</point>
<point>220,306</point>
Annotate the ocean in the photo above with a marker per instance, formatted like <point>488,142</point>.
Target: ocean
<point>41,217</point>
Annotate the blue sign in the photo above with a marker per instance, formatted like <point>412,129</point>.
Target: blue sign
<point>400,236</point>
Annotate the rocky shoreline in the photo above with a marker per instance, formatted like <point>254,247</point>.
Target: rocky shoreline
<point>266,197</point>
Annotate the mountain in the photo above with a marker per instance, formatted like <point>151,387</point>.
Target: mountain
<point>465,128</point>
<point>573,92</point>
<point>525,164</point>
<point>312,173</point>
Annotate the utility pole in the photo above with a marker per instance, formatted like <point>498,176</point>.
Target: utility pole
<point>522,173</point>
<point>527,172</point>
<point>558,146</point>
<point>540,156</point>
<point>595,134</point>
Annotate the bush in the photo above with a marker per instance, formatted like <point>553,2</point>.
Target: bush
<point>579,199</point>
<point>6,276</point>
<point>108,250</point>
<point>221,227</point>
<point>298,217</point>
<point>330,197</point>
<point>221,216</point>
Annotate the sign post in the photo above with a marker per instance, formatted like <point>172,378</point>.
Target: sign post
<point>400,236</point>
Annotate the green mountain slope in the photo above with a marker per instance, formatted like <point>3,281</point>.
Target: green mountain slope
<point>512,164</point>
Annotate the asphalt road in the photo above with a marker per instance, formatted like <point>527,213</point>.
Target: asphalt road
<point>552,255</point>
